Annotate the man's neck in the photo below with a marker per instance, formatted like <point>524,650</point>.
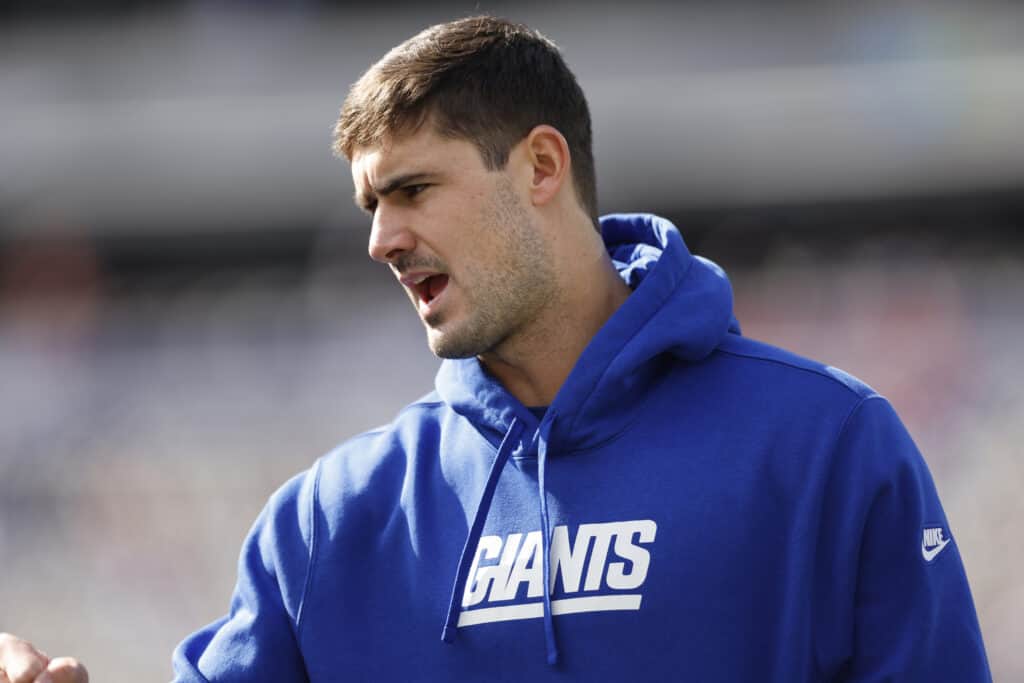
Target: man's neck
<point>535,363</point>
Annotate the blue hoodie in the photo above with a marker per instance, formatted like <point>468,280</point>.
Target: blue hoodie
<point>707,507</point>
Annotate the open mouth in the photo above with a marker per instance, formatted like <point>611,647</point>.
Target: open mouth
<point>431,287</point>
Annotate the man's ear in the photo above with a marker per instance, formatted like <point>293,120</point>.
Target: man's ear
<point>548,154</point>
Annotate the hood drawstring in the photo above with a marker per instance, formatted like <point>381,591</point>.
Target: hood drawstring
<point>541,437</point>
<point>512,437</point>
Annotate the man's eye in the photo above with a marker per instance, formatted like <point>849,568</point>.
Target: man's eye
<point>411,191</point>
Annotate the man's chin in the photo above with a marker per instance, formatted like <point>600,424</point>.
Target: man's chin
<point>448,344</point>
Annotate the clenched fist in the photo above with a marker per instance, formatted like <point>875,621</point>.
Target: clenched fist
<point>20,662</point>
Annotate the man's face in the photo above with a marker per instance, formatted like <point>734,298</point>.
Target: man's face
<point>459,238</point>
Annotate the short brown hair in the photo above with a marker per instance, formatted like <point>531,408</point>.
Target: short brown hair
<point>482,79</point>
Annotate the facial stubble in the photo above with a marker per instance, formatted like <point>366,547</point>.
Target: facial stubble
<point>505,290</point>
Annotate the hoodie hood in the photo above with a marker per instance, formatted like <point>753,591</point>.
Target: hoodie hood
<point>681,308</point>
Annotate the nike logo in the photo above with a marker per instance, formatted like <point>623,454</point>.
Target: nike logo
<point>933,543</point>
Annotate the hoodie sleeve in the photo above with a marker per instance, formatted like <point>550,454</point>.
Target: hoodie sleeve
<point>258,639</point>
<point>910,606</point>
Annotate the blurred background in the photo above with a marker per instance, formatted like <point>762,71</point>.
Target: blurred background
<point>188,316</point>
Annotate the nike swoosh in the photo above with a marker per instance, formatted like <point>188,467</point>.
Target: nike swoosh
<point>929,555</point>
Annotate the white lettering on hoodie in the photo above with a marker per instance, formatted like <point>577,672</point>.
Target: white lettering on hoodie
<point>614,555</point>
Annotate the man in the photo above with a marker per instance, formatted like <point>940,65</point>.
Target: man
<point>609,482</point>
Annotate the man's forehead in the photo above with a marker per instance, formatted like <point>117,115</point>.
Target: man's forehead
<point>403,142</point>
<point>389,153</point>
<point>421,151</point>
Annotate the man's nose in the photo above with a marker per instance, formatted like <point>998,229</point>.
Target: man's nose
<point>390,236</point>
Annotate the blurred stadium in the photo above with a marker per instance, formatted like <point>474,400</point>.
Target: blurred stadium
<point>188,316</point>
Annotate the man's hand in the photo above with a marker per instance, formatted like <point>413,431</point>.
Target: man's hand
<point>20,662</point>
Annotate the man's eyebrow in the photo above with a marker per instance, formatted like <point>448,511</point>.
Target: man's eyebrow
<point>365,200</point>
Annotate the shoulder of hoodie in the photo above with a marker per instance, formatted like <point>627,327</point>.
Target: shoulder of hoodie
<point>376,459</point>
<point>813,389</point>
<point>857,408</point>
<point>346,477</point>
<point>417,421</point>
<point>763,357</point>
